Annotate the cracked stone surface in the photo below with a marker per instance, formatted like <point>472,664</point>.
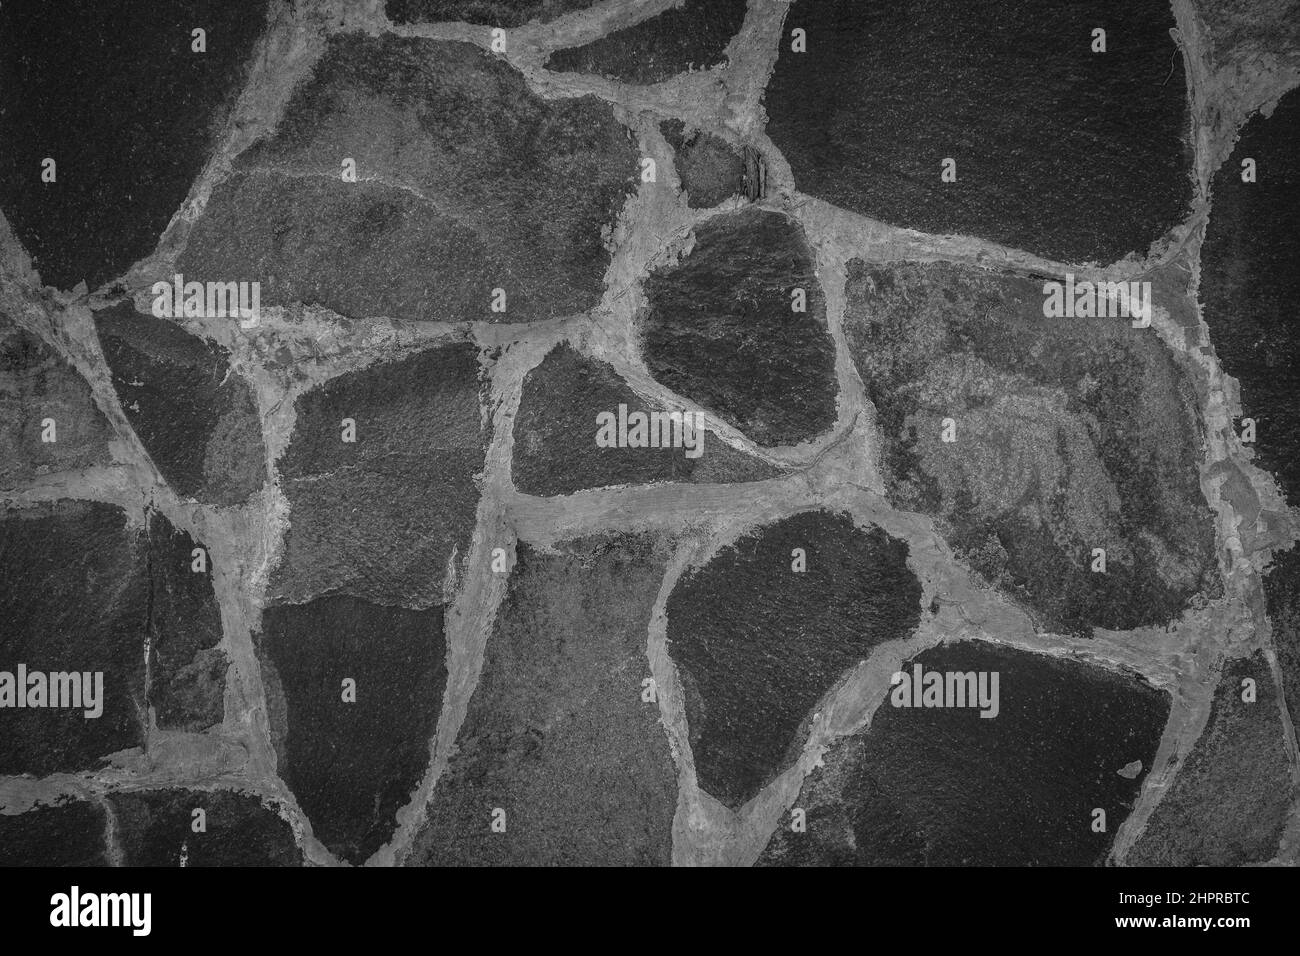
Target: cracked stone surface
<point>196,418</point>
<point>363,518</point>
<point>357,574</point>
<point>129,604</point>
<point>429,233</point>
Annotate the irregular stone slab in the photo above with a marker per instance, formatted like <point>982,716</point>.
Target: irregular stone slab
<point>1228,805</point>
<point>692,36</point>
<point>157,828</point>
<point>115,95</point>
<point>1060,151</point>
<point>353,764</point>
<point>467,182</point>
<point>35,385</point>
<point>1069,434</point>
<point>66,834</point>
<point>1250,287</point>
<point>555,435</point>
<point>710,168</point>
<point>758,644</point>
<point>74,600</point>
<point>943,786</point>
<point>384,517</point>
<point>197,419</point>
<point>497,13</point>
<point>187,671</point>
<point>87,593</point>
<point>720,328</point>
<point>560,701</point>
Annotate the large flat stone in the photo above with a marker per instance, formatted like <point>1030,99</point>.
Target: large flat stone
<point>1067,153</point>
<point>384,517</point>
<point>1069,434</point>
<point>757,643</point>
<point>113,93</point>
<point>353,764</point>
<point>555,450</point>
<point>557,735</point>
<point>943,786</point>
<point>196,417</point>
<point>467,182</point>
<point>720,328</point>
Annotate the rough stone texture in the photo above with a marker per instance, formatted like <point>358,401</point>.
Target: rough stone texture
<point>483,171</point>
<point>1250,286</point>
<point>383,517</point>
<point>73,600</point>
<point>187,671</point>
<point>36,384</point>
<point>68,834</point>
<point>197,418</point>
<point>1228,804</point>
<point>555,450</point>
<point>467,182</point>
<point>497,13</point>
<point>710,168</point>
<point>1282,594</point>
<point>155,828</point>
<point>1071,434</point>
<point>754,664</point>
<point>719,328</point>
<point>1240,30</point>
<point>112,92</point>
<point>1046,134</point>
<point>557,734</point>
<point>84,591</point>
<point>353,765</point>
<point>946,787</point>
<point>693,36</point>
